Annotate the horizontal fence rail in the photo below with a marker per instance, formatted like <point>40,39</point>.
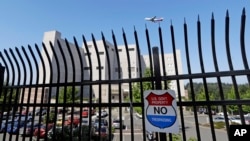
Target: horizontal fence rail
<point>62,89</point>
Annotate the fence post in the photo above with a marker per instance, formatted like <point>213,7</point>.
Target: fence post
<point>1,77</point>
<point>157,74</point>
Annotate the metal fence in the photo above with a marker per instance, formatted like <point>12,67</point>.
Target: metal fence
<point>31,78</point>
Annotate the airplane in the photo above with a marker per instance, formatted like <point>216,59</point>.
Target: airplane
<point>154,19</point>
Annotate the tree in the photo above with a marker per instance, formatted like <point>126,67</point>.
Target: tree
<point>246,95</point>
<point>9,96</point>
<point>69,95</point>
<point>138,88</point>
<point>231,96</point>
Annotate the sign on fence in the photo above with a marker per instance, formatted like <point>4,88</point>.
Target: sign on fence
<point>161,111</point>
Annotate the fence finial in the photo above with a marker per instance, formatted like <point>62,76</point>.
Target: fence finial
<point>244,11</point>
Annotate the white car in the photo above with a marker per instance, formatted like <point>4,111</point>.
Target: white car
<point>103,113</point>
<point>236,120</point>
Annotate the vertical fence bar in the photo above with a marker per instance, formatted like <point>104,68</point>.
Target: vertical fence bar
<point>242,42</point>
<point>119,84</point>
<point>1,78</point>
<point>90,78</point>
<point>229,58</point>
<point>178,85</point>
<point>191,80</point>
<point>204,79</point>
<point>157,73</point>
<point>109,79</point>
<point>130,85</point>
<point>217,68</point>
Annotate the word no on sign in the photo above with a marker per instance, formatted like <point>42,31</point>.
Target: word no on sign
<point>160,109</point>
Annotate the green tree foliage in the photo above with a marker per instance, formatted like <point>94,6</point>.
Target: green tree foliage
<point>68,95</point>
<point>228,91</point>
<point>8,95</point>
<point>138,89</point>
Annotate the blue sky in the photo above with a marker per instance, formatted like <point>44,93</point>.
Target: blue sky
<point>24,22</point>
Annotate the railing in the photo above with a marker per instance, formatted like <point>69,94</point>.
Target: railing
<point>60,76</point>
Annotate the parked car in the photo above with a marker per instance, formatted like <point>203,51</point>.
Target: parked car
<point>13,128</point>
<point>85,113</point>
<point>29,129</point>
<point>247,120</point>
<point>69,133</point>
<point>24,118</point>
<point>102,121</point>
<point>103,132</point>
<point>5,116</point>
<point>230,119</point>
<point>4,126</point>
<point>221,114</point>
<point>219,119</point>
<point>117,122</point>
<point>40,112</point>
<point>40,132</point>
<point>236,120</point>
<point>103,114</point>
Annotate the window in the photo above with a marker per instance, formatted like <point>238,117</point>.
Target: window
<point>99,67</point>
<point>120,50</point>
<point>116,69</point>
<point>86,54</point>
<point>86,68</point>
<point>101,53</point>
<point>89,46</point>
<point>131,49</point>
<point>132,69</point>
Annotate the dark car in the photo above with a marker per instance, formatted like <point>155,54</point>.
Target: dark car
<point>103,122</point>
<point>40,132</point>
<point>40,112</point>
<point>4,126</point>
<point>28,129</point>
<point>13,128</point>
<point>103,132</point>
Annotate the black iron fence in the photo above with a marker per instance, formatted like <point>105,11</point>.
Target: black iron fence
<point>63,89</point>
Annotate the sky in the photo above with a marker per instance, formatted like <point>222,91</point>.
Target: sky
<point>24,22</point>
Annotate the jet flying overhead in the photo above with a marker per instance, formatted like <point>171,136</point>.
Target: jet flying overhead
<point>154,19</point>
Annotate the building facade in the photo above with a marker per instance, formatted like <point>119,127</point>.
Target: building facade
<point>100,62</point>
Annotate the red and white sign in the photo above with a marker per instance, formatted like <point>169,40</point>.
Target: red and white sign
<point>160,109</point>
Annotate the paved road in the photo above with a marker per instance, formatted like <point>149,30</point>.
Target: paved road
<point>190,130</point>
<point>205,132</point>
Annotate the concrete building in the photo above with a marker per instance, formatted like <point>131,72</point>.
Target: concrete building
<point>169,69</point>
<point>95,68</point>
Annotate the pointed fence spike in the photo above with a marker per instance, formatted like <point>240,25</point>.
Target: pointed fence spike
<point>244,11</point>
